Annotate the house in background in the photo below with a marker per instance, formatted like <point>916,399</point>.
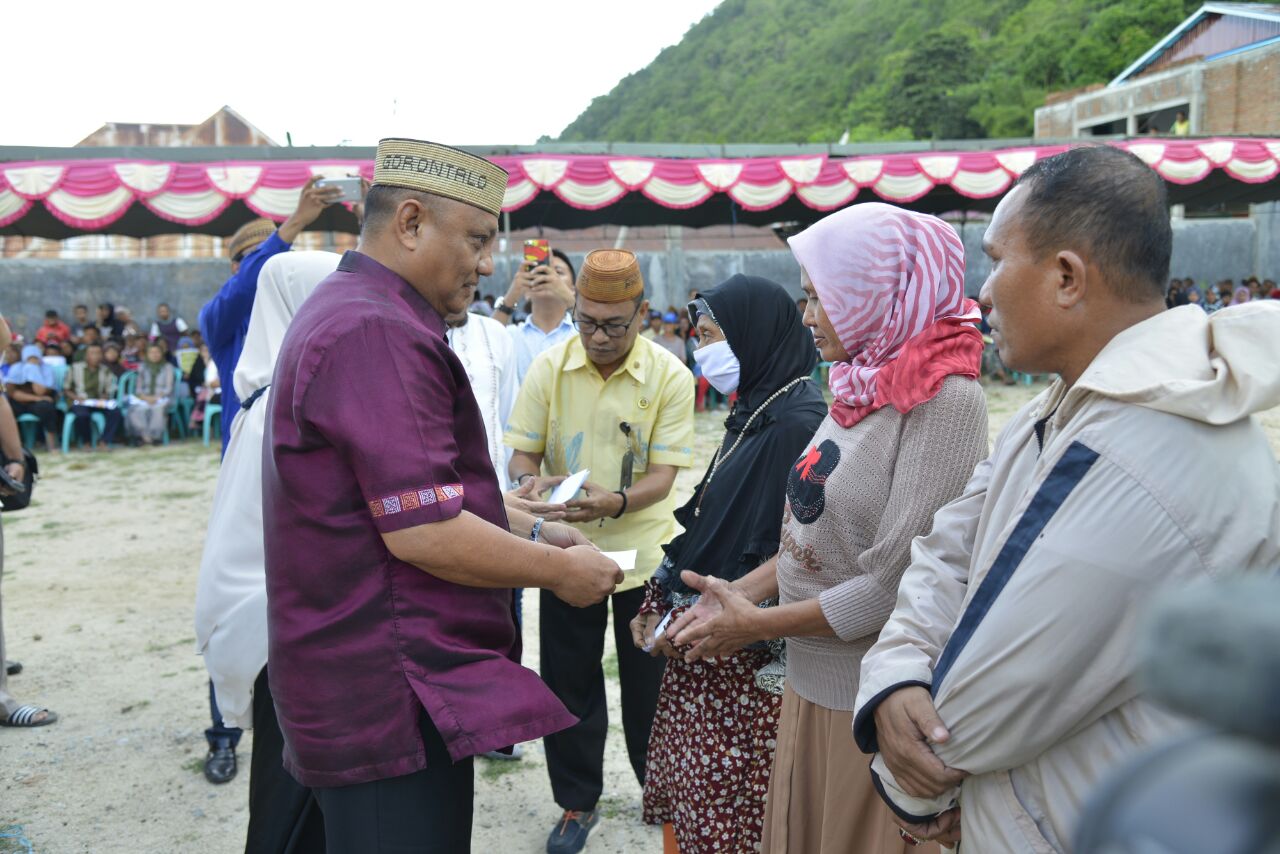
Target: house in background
<point>1220,68</point>
<point>225,127</point>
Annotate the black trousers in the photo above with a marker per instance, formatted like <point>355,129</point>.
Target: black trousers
<point>284,817</point>
<point>84,423</point>
<point>219,734</point>
<point>428,812</point>
<point>572,650</point>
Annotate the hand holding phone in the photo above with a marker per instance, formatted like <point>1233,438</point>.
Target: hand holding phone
<point>352,188</point>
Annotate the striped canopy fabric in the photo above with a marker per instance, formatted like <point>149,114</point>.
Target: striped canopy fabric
<point>92,195</point>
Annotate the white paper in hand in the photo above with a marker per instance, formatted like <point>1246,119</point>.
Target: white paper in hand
<point>626,561</point>
<point>662,626</point>
<point>569,487</point>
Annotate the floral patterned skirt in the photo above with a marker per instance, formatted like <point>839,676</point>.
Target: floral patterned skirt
<point>711,752</point>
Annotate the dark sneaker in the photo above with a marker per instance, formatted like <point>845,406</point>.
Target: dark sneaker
<point>220,765</point>
<point>570,833</point>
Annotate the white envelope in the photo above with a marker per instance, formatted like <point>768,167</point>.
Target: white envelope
<point>626,561</point>
<point>569,487</point>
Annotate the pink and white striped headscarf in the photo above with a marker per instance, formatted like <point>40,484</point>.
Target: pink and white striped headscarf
<point>884,275</point>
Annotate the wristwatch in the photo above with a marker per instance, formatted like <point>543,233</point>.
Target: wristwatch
<point>501,305</point>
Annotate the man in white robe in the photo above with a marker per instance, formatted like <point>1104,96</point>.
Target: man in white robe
<point>231,594</point>
<point>487,354</point>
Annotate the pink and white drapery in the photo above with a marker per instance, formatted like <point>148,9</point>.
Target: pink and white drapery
<point>92,194</point>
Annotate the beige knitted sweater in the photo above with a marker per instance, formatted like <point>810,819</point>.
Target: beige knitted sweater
<point>854,504</point>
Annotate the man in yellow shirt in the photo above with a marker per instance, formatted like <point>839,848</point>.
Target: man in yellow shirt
<point>621,406</point>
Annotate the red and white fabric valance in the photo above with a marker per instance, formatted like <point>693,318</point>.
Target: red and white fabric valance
<point>92,194</point>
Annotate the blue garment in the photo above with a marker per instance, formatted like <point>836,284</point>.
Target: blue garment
<point>224,322</point>
<point>530,341</point>
<point>25,372</point>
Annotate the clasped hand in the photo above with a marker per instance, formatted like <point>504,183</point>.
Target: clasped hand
<point>907,725</point>
<point>721,622</point>
<point>528,497</point>
<point>596,503</point>
<point>643,629</point>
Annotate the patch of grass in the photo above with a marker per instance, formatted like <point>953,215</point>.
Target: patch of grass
<point>177,496</point>
<point>168,675</point>
<point>494,769</point>
<point>50,525</point>
<point>195,765</point>
<point>610,807</point>
<point>133,707</point>
<point>610,666</point>
<point>153,646</point>
<point>78,465</point>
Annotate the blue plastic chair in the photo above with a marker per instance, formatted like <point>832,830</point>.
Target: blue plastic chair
<point>59,376</point>
<point>69,430</point>
<point>124,387</point>
<point>183,404</point>
<point>30,426</point>
<point>210,411</point>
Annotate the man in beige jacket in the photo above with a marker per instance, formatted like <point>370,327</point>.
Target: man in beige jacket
<point>1002,689</point>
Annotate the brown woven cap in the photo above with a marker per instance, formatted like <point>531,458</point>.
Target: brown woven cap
<point>441,171</point>
<point>250,235</point>
<point>610,275</point>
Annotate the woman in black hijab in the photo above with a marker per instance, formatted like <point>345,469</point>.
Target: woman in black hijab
<point>711,750</point>
<point>110,326</point>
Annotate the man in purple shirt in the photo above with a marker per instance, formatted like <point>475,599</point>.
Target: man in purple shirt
<point>390,560</point>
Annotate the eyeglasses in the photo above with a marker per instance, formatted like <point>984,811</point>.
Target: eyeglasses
<point>612,330</point>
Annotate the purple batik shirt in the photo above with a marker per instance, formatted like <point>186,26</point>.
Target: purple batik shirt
<point>373,428</point>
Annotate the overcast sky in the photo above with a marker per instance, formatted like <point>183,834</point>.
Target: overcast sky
<point>329,73</point>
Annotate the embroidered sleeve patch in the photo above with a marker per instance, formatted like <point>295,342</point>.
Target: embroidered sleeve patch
<point>414,499</point>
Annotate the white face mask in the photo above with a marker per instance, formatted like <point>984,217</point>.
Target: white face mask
<point>719,366</point>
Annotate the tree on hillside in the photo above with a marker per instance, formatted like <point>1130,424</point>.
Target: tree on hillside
<point>810,70</point>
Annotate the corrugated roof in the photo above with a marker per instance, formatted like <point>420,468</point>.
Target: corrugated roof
<point>1259,11</point>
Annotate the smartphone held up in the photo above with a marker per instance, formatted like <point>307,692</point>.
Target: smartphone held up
<point>537,253</point>
<point>352,188</point>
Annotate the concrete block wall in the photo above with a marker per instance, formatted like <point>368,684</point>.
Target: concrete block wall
<point>28,287</point>
<point>1206,250</point>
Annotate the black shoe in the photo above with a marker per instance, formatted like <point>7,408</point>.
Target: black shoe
<point>12,668</point>
<point>570,833</point>
<point>220,765</point>
<point>497,755</point>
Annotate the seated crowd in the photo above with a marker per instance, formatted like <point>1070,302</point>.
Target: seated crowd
<point>108,374</point>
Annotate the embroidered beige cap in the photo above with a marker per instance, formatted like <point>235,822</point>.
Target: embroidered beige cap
<point>250,235</point>
<point>610,275</point>
<point>441,171</point>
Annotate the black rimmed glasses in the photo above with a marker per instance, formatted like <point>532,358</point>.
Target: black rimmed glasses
<point>612,330</point>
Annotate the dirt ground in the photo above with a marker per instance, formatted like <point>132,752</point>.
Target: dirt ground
<point>99,584</point>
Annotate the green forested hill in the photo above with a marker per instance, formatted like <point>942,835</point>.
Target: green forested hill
<point>808,70</point>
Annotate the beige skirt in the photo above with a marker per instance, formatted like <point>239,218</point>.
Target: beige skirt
<point>821,799</point>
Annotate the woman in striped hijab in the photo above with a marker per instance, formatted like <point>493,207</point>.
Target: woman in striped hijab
<point>908,424</point>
